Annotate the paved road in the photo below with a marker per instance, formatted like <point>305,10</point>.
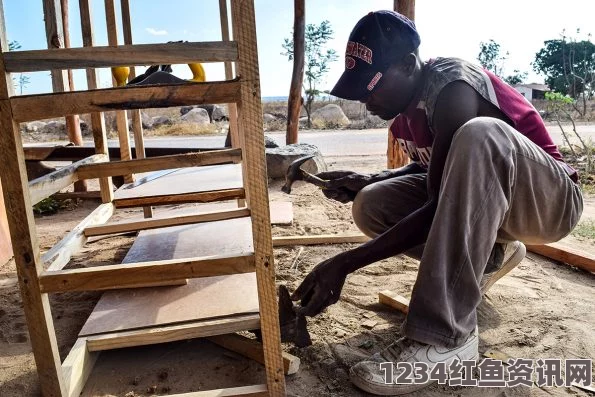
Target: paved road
<point>331,143</point>
<point>336,142</point>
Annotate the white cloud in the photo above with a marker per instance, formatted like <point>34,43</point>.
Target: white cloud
<point>156,32</point>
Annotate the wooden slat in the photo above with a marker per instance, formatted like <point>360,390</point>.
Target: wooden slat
<point>59,255</point>
<point>97,119</point>
<point>159,163</point>
<point>199,197</point>
<point>108,56</point>
<point>252,391</point>
<point>559,252</point>
<point>282,241</point>
<point>256,185</point>
<point>231,107</point>
<point>123,227</point>
<point>77,367</point>
<point>252,349</point>
<point>6,85</point>
<point>55,39</point>
<point>46,185</point>
<point>171,333</point>
<point>37,107</point>
<point>129,275</point>
<point>26,248</point>
<point>394,300</point>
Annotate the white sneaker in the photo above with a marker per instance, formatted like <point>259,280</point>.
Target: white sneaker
<point>514,253</point>
<point>370,377</point>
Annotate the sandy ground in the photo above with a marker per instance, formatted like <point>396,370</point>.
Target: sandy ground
<point>541,310</point>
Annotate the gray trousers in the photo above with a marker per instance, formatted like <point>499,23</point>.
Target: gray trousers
<point>497,186</point>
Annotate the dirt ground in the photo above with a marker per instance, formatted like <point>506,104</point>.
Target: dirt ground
<point>540,310</point>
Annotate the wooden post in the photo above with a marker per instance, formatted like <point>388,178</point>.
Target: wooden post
<point>395,156</point>
<point>121,116</point>
<point>73,125</point>
<point>137,123</point>
<point>97,119</point>
<point>232,109</point>
<point>294,102</point>
<point>255,183</point>
<point>24,238</point>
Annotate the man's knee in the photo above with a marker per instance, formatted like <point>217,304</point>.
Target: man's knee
<point>480,132</point>
<point>362,210</point>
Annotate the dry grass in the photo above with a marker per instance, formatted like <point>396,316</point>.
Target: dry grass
<point>185,129</point>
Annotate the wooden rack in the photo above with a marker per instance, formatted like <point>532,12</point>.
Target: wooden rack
<point>42,274</point>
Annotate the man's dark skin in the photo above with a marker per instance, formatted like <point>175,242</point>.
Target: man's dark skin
<point>457,104</point>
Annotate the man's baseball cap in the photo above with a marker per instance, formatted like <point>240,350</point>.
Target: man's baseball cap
<point>377,40</point>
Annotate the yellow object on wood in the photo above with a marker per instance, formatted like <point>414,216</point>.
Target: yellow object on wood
<point>198,72</point>
<point>121,74</point>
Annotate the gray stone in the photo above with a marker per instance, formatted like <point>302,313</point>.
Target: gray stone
<point>220,113</point>
<point>158,121</point>
<point>208,108</point>
<point>267,117</point>
<point>278,159</point>
<point>34,126</point>
<point>197,116</point>
<point>146,120</point>
<point>55,128</point>
<point>270,142</point>
<point>185,109</point>
<point>330,115</point>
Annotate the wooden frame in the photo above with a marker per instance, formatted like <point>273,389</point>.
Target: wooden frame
<point>68,378</point>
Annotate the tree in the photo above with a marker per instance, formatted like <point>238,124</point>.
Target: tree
<point>569,67</point>
<point>317,60</point>
<point>23,80</point>
<point>489,57</point>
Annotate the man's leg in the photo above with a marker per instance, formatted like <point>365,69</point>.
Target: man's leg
<point>496,184</point>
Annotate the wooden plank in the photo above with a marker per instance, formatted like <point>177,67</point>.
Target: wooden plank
<point>281,213</point>
<point>46,185</point>
<point>256,185</point>
<point>45,106</point>
<point>159,163</point>
<point>282,241</point>
<point>108,56</point>
<point>184,198</point>
<point>59,255</point>
<point>5,245</point>
<point>561,252</point>
<point>28,262</point>
<point>52,12</point>
<point>97,119</point>
<point>231,107</point>
<point>252,391</point>
<point>252,349</point>
<point>394,300</point>
<point>123,227</point>
<point>172,333</point>
<point>6,85</point>
<point>294,102</point>
<point>138,274</point>
<point>77,367</point>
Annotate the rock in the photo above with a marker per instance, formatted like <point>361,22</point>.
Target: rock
<point>278,159</point>
<point>208,108</point>
<point>267,117</point>
<point>158,121</point>
<point>369,323</point>
<point>269,142</point>
<point>185,109</point>
<point>198,116</point>
<point>146,120</point>
<point>347,356</point>
<point>55,128</point>
<point>330,115</point>
<point>220,113</point>
<point>34,126</point>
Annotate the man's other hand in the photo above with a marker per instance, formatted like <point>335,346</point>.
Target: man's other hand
<point>322,287</point>
<point>343,186</point>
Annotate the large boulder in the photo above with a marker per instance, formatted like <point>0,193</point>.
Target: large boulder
<point>267,118</point>
<point>185,109</point>
<point>220,113</point>
<point>197,116</point>
<point>330,115</point>
<point>158,121</point>
<point>54,128</point>
<point>208,108</point>
<point>146,120</point>
<point>279,159</point>
<point>270,142</point>
<point>34,126</point>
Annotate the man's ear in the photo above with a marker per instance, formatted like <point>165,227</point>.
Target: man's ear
<point>408,63</point>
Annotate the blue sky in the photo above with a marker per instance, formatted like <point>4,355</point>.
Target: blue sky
<point>447,28</point>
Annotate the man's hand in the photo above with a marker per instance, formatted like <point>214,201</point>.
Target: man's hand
<point>322,287</point>
<point>343,186</point>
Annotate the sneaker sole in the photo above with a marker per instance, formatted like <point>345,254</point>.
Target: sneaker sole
<point>512,262</point>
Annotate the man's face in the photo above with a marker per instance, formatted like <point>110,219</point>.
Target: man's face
<point>393,93</point>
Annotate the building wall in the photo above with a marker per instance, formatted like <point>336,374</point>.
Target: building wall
<point>5,245</point>
<point>526,92</point>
